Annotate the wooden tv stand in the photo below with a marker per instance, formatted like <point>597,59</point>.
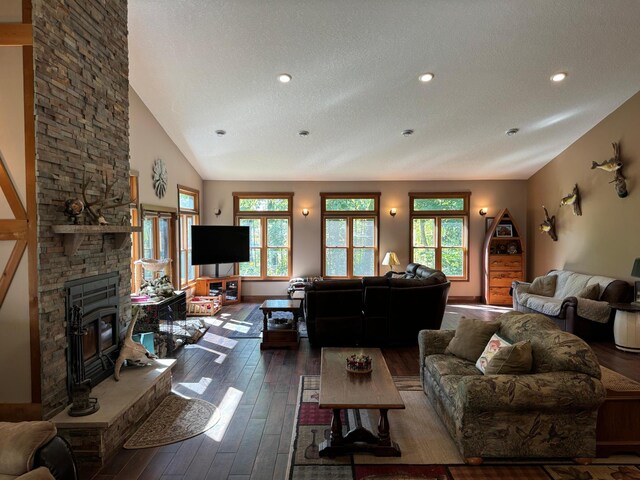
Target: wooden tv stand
<point>229,288</point>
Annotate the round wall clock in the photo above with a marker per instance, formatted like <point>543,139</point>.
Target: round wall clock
<point>159,177</point>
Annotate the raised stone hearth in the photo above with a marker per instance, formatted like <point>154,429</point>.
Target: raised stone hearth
<point>124,405</point>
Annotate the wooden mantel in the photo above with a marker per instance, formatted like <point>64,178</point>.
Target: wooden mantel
<point>74,234</point>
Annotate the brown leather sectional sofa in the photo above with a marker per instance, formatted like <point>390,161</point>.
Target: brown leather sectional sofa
<point>376,311</point>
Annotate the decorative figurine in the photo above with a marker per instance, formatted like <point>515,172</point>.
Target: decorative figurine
<point>73,208</point>
<point>133,352</point>
<point>549,225</point>
<point>614,165</point>
<point>94,209</point>
<point>573,199</point>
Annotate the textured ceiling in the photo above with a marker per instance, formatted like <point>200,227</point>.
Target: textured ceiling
<point>203,65</point>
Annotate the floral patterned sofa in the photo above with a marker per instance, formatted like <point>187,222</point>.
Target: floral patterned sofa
<point>550,412</point>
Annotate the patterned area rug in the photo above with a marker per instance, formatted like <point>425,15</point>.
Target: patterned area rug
<point>428,452</point>
<point>175,419</point>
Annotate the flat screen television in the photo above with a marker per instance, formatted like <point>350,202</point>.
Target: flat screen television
<point>215,244</point>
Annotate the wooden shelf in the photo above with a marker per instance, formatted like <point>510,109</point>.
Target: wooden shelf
<point>501,269</point>
<point>74,234</point>
<point>16,34</point>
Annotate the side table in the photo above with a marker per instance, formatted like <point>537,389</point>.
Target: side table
<point>275,334</point>
<point>626,327</point>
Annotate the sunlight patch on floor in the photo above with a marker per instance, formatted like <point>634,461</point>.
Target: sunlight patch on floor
<point>486,308</point>
<point>240,322</point>
<point>216,322</point>
<point>227,408</point>
<point>221,356</point>
<point>199,387</point>
<point>214,339</point>
<point>235,328</point>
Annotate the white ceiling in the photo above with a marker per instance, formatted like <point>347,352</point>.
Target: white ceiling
<point>203,65</point>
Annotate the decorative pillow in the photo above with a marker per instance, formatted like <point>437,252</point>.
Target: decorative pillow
<point>471,337</point>
<point>495,343</point>
<point>514,359</point>
<point>544,286</point>
<point>397,275</point>
<point>592,292</point>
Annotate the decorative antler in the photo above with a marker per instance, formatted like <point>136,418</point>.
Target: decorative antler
<point>549,225</point>
<point>95,208</point>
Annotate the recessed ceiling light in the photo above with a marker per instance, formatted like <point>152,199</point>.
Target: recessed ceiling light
<point>407,132</point>
<point>426,77</point>
<point>221,133</point>
<point>558,77</point>
<point>303,133</point>
<point>284,78</point>
<point>512,131</point>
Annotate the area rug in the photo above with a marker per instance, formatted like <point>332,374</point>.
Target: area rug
<point>175,419</point>
<point>428,452</point>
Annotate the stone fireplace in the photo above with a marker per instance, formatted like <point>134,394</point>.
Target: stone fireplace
<point>82,130</point>
<point>93,328</point>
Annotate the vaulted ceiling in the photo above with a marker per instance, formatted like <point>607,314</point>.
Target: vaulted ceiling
<point>207,65</point>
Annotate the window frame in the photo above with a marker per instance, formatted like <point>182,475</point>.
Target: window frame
<point>183,232</point>
<point>264,216</point>
<point>156,212</point>
<point>136,236</point>
<point>350,216</point>
<point>438,216</point>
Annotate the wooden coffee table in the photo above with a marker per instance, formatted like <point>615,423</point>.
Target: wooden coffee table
<point>340,389</point>
<point>279,335</point>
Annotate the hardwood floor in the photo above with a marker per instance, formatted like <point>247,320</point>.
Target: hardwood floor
<point>256,392</point>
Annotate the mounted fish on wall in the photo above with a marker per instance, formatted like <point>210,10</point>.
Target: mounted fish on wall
<point>549,225</point>
<point>573,199</point>
<point>614,165</point>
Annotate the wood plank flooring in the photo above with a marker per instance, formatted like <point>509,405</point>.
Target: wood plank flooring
<point>256,392</point>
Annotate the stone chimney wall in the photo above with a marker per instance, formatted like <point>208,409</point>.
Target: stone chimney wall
<point>82,124</point>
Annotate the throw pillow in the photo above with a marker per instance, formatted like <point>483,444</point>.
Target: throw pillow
<point>397,275</point>
<point>514,359</point>
<point>544,286</point>
<point>471,337</point>
<point>592,292</point>
<point>495,343</point>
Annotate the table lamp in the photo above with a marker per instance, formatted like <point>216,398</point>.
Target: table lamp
<point>635,272</point>
<point>391,259</point>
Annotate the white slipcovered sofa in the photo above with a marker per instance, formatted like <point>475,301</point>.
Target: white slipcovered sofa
<point>590,319</point>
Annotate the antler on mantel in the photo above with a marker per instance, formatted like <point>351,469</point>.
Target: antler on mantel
<point>95,208</point>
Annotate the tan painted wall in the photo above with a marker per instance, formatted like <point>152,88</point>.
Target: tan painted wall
<point>148,141</point>
<point>606,238</point>
<point>14,313</point>
<point>394,232</point>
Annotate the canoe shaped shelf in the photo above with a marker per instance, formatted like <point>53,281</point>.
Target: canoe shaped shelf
<point>74,234</point>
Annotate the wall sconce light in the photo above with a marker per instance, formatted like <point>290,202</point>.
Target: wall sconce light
<point>483,211</point>
<point>393,212</point>
<point>305,212</point>
<point>217,212</point>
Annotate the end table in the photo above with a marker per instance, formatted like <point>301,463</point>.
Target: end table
<point>626,327</point>
<point>280,335</point>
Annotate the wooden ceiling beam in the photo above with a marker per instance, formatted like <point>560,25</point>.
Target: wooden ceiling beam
<point>16,34</point>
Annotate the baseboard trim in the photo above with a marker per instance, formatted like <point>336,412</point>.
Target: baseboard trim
<point>20,412</point>
<point>476,299</point>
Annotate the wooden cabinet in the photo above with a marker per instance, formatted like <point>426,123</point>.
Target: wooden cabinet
<point>504,259</point>
<point>229,288</point>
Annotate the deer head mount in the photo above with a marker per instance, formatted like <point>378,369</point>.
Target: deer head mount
<point>94,209</point>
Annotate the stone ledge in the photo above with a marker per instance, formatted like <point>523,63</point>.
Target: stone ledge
<point>116,398</point>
